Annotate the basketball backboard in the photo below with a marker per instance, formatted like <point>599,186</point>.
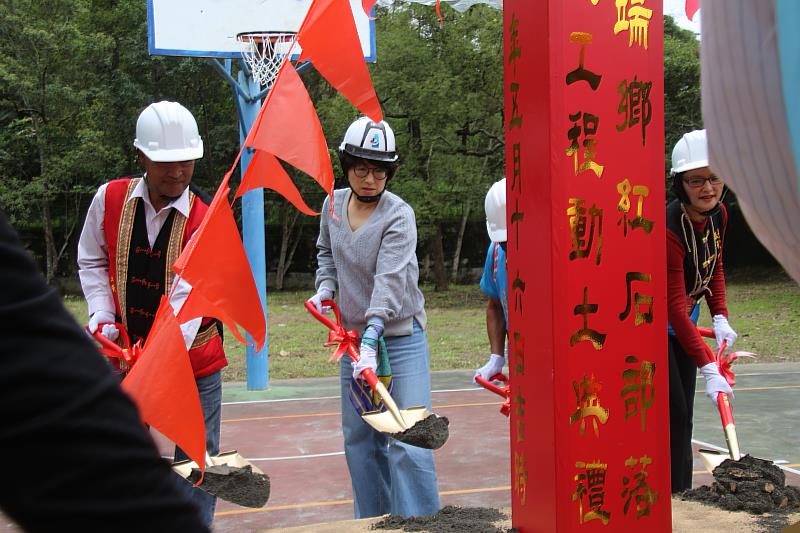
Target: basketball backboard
<point>208,28</point>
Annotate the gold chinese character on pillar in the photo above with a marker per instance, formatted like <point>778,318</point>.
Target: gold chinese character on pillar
<point>585,333</point>
<point>638,299</point>
<point>635,20</point>
<point>583,225</point>
<point>587,399</point>
<point>637,491</point>
<point>639,390</point>
<point>590,492</point>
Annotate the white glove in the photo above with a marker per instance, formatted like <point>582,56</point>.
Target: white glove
<point>715,383</point>
<point>367,359</point>
<point>323,293</point>
<point>107,318</point>
<point>492,367</point>
<point>723,331</point>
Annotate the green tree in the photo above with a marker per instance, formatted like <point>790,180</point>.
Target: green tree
<point>442,90</point>
<point>682,111</point>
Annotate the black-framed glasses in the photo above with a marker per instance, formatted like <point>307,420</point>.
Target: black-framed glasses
<point>379,173</point>
<point>696,182</point>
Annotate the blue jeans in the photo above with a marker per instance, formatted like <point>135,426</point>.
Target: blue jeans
<point>387,475</point>
<point>210,390</point>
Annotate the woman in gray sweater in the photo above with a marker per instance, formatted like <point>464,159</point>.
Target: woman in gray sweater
<point>367,258</point>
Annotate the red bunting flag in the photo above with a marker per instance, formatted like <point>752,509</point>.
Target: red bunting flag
<point>215,265</point>
<point>162,385</point>
<point>264,171</point>
<point>288,127</point>
<point>368,5</point>
<point>691,8</point>
<point>329,39</point>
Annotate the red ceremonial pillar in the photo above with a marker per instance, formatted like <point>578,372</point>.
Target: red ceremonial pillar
<point>586,265</point>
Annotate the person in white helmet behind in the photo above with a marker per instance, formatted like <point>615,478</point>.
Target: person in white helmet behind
<point>696,222</point>
<point>366,254</point>
<point>134,231</point>
<point>494,282</point>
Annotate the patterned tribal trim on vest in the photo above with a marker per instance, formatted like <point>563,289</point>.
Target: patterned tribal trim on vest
<point>205,334</point>
<point>124,245</point>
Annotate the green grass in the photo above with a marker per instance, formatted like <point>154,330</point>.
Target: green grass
<point>764,311</point>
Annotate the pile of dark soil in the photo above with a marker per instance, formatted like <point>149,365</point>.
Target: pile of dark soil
<point>431,432</point>
<point>450,519</point>
<point>750,484</point>
<point>239,485</point>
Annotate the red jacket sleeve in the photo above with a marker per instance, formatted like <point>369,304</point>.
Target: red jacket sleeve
<point>677,304</point>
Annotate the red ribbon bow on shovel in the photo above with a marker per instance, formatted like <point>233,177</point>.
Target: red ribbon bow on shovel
<point>341,339</point>
<point>724,362</point>
<point>121,357</point>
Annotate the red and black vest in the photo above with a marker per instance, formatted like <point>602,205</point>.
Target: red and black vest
<point>702,248</point>
<point>140,274</point>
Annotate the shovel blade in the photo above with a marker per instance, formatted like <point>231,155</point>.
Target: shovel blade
<point>231,477</point>
<point>386,422</point>
<point>712,459</point>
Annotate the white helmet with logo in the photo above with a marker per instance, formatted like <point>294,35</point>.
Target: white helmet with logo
<point>495,205</point>
<point>690,152</point>
<point>167,131</point>
<point>369,140</point>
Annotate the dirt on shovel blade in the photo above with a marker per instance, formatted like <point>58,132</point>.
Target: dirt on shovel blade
<point>239,485</point>
<point>750,484</point>
<point>431,432</point>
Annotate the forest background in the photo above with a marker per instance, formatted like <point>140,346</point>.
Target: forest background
<point>74,75</point>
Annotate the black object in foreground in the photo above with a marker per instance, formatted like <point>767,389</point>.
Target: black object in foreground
<point>239,485</point>
<point>431,432</point>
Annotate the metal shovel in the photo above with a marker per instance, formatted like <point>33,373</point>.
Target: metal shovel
<point>229,476</point>
<point>713,458</point>
<point>414,425</point>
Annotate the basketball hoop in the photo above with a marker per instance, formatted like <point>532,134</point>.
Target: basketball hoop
<point>264,52</point>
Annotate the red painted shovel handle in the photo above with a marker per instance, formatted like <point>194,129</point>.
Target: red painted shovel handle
<point>488,385</point>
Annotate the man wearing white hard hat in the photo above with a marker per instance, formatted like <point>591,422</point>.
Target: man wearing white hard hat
<point>494,282</point>
<point>696,222</point>
<point>134,231</point>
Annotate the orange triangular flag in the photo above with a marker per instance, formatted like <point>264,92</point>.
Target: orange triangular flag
<point>264,171</point>
<point>691,8</point>
<point>288,127</point>
<point>368,5</point>
<point>215,265</point>
<point>162,385</point>
<point>329,39</point>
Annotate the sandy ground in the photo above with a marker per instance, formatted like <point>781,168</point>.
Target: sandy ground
<point>689,517</point>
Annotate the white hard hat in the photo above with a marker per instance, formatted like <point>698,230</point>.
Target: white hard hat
<point>167,131</point>
<point>690,152</point>
<point>495,205</point>
<point>369,140</point>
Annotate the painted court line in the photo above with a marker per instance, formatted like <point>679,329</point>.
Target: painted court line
<point>337,413</point>
<point>246,402</point>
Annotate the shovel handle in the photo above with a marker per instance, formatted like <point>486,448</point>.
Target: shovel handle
<point>488,385</point>
<point>380,389</point>
<point>311,308</point>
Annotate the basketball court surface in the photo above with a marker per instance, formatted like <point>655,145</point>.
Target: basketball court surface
<point>292,432</point>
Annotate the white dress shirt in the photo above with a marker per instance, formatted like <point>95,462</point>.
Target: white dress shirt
<point>93,254</point>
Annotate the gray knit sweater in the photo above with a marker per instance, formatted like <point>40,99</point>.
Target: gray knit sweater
<point>374,269</point>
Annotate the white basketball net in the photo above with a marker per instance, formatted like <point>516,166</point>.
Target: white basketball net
<point>264,53</point>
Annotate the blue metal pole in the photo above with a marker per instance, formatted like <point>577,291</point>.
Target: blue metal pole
<point>253,232</point>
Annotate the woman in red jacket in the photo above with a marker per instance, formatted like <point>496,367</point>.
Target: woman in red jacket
<point>696,223</point>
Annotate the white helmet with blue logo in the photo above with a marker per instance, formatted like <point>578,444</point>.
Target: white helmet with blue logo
<point>369,140</point>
